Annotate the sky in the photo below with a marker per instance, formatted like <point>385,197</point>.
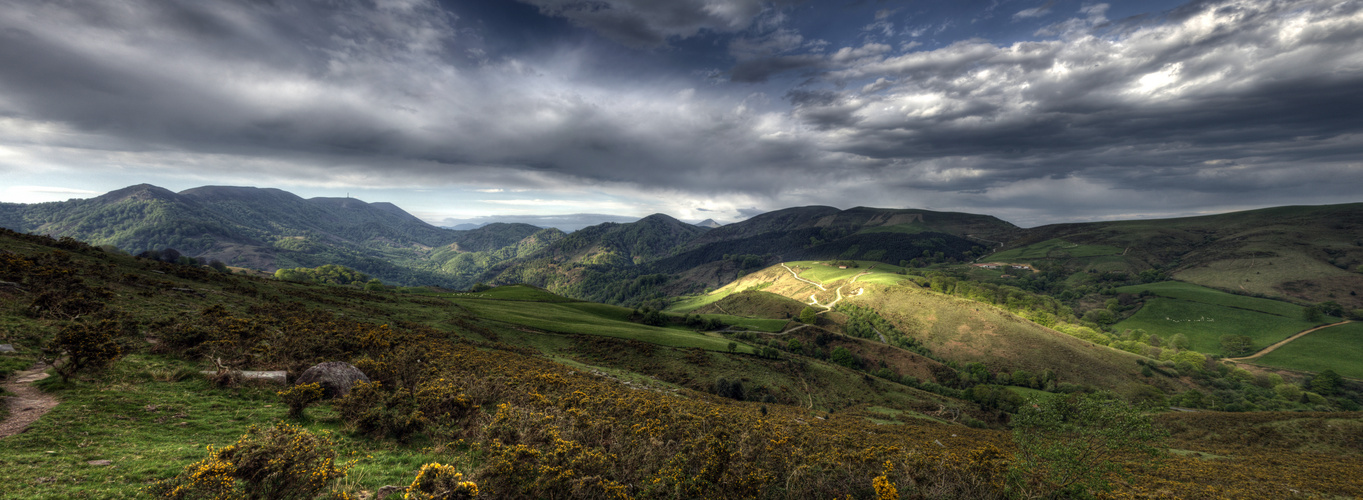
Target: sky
<point>1035,111</point>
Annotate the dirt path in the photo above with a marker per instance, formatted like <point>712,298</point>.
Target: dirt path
<point>792,273</point>
<point>1285,341</point>
<point>28,404</point>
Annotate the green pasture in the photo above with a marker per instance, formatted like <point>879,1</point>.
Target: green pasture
<point>694,302</point>
<point>1339,348</point>
<point>1053,249</point>
<point>1204,324</point>
<point>1194,293</point>
<point>586,319</point>
<point>882,279</point>
<point>822,272</point>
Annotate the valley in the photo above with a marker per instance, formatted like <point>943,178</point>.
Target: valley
<point>869,345</point>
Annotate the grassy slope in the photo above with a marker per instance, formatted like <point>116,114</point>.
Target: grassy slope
<point>133,414</point>
<point>111,418</point>
<point>589,320</point>
<point>1339,348</point>
<point>1301,252</point>
<point>755,304</point>
<point>952,328</point>
<point>1053,249</point>
<point>1204,315</point>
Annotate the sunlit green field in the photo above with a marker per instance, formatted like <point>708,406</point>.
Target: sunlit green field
<point>1338,348</point>
<point>1204,324</point>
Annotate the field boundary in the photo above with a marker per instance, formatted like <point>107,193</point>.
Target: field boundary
<point>1284,342</point>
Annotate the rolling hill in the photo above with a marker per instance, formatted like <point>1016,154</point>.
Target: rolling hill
<point>527,392</point>
<point>1301,253</point>
<point>269,229</point>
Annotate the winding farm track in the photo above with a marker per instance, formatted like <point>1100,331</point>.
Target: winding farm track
<point>797,276</point>
<point>28,404</point>
<point>1285,341</point>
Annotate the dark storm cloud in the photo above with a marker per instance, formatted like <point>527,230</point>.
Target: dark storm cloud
<point>349,88</point>
<point>1200,106</point>
<point>1248,81</point>
<point>649,23</point>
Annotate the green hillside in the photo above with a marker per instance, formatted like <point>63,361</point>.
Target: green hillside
<point>1337,348</point>
<point>526,394</point>
<point>269,229</point>
<point>1203,315</point>
<point>952,328</point>
<point>1299,253</point>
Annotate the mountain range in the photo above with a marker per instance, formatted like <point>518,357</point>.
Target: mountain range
<point>1306,253</point>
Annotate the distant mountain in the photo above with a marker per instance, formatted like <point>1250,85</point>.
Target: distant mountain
<point>709,223</point>
<point>266,229</point>
<point>1310,254</point>
<point>563,222</point>
<point>464,227</point>
<point>659,256</point>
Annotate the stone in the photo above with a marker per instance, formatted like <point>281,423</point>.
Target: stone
<point>100,462</point>
<point>336,378</point>
<point>7,348</point>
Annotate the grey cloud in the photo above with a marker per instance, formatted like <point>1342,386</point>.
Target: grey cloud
<point>1206,106</point>
<point>748,213</point>
<point>363,89</point>
<point>1160,95</point>
<point>649,23</point>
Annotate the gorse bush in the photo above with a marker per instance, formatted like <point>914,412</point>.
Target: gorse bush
<point>440,482</point>
<point>300,397</point>
<point>1075,444</point>
<point>283,462</point>
<point>86,347</point>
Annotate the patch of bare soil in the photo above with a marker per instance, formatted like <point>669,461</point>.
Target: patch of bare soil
<point>28,403</point>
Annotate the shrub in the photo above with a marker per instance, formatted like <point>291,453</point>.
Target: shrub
<point>1237,345</point>
<point>440,482</point>
<point>1326,382</point>
<point>86,347</point>
<point>283,462</point>
<point>368,409</point>
<point>299,397</point>
<point>1069,444</point>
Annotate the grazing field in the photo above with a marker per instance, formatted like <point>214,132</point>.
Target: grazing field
<point>1204,315</point>
<point>587,319</point>
<point>1287,273</point>
<point>1054,249</point>
<point>826,273</point>
<point>1204,324</point>
<point>1338,348</point>
<point>1195,293</point>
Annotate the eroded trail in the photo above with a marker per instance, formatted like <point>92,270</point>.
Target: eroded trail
<point>28,403</point>
<point>1285,341</point>
<point>797,276</point>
